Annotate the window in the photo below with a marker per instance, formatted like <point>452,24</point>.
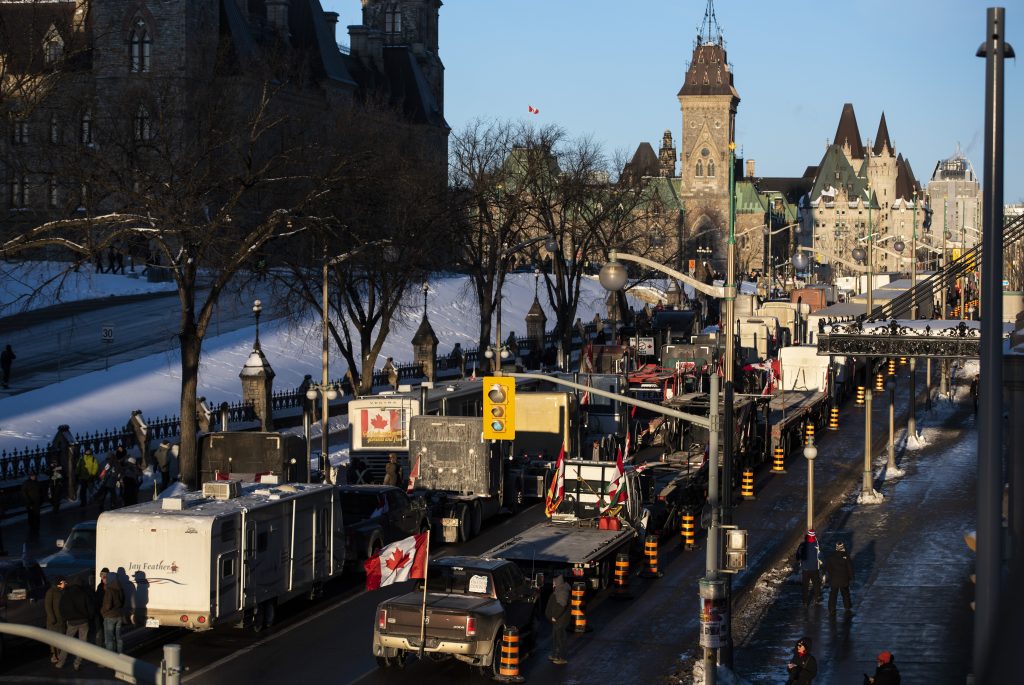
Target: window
<point>711,168</point>
<point>85,128</point>
<point>143,124</point>
<point>52,51</point>
<point>19,192</point>
<point>54,129</point>
<point>392,20</point>
<point>140,50</point>
<point>51,192</point>
<point>227,567</point>
<point>700,168</point>
<point>19,135</point>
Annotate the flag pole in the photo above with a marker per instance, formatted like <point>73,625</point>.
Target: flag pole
<point>423,608</point>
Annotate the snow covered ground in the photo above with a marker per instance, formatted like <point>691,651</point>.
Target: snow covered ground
<point>104,399</point>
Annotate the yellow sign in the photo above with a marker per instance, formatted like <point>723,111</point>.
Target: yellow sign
<point>499,408</point>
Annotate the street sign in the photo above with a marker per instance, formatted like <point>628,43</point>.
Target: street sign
<point>644,346</point>
<point>107,333</point>
<point>499,408</point>
<point>692,263</point>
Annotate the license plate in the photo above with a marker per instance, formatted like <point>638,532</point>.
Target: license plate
<point>152,623</point>
<point>450,522</point>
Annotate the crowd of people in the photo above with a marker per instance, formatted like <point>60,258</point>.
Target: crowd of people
<point>96,615</point>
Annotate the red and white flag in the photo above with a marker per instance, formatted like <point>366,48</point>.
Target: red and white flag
<point>617,488</point>
<point>556,491</point>
<point>414,474</point>
<point>626,452</point>
<point>532,110</point>
<point>397,562</point>
<point>585,397</point>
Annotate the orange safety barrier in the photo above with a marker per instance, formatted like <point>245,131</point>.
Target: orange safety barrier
<point>747,484</point>
<point>809,433</point>
<point>651,553</point>
<point>620,581</point>
<point>903,361</point>
<point>860,396</point>
<point>579,616</point>
<point>833,419</point>
<point>508,666</point>
<point>779,460</point>
<point>892,366</point>
<point>689,531</point>
<point>880,383</point>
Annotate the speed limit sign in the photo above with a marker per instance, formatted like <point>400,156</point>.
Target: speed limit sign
<point>107,333</point>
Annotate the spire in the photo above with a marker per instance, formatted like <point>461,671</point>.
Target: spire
<point>882,137</point>
<point>847,133</point>
<point>710,31</point>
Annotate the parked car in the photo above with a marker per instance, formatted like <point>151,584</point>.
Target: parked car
<point>468,600</point>
<point>22,590</point>
<point>76,555</point>
<point>377,515</point>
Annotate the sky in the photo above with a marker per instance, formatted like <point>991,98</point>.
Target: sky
<point>611,69</point>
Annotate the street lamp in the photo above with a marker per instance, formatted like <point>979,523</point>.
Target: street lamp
<point>868,494</point>
<point>810,454</point>
<point>257,309</point>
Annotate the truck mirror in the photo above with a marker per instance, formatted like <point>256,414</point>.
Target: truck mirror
<point>60,543</point>
<point>538,580</point>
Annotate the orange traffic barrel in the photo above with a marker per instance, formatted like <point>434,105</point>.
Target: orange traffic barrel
<point>508,666</point>
<point>689,531</point>
<point>747,484</point>
<point>833,419</point>
<point>620,581</point>
<point>892,366</point>
<point>880,383</point>
<point>860,396</point>
<point>779,460</point>
<point>579,616</point>
<point>651,553</point>
<point>809,433</point>
<point>903,361</point>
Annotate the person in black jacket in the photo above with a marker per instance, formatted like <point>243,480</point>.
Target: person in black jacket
<point>886,672</point>
<point>33,492</point>
<point>803,666</point>
<point>557,613</point>
<point>77,609</point>
<point>839,571</point>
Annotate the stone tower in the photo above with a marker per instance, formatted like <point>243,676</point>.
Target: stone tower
<point>667,156</point>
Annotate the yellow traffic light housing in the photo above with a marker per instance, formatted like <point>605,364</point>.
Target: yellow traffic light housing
<point>499,408</point>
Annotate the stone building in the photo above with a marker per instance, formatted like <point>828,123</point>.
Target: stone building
<point>954,195</point>
<point>90,75</point>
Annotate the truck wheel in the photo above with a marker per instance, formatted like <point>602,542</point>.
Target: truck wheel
<point>465,523</point>
<point>493,669</point>
<point>383,662</point>
<point>477,520</point>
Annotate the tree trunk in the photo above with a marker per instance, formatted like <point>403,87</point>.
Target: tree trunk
<point>188,464</point>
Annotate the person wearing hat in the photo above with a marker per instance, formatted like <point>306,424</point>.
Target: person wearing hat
<point>112,611</point>
<point>839,571</point>
<point>131,477</point>
<point>85,472</point>
<point>54,619</point>
<point>886,672</point>
<point>803,666</point>
<point>32,493</point>
<point>392,471</point>
<point>558,615</point>
<point>809,559</point>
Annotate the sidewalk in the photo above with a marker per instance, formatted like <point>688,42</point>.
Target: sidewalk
<point>911,593</point>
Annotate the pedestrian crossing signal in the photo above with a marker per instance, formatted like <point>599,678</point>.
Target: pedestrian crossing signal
<point>499,408</point>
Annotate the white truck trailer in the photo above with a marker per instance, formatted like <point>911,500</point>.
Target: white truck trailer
<point>230,553</point>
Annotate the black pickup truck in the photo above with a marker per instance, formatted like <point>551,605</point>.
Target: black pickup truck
<point>468,601</point>
<point>377,515</point>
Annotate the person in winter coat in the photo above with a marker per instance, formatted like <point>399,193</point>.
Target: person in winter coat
<point>392,472</point>
<point>54,619</point>
<point>86,471</point>
<point>112,611</point>
<point>162,456</point>
<point>77,609</point>
<point>131,478</point>
<point>557,613</point>
<point>839,571</point>
<point>886,672</point>
<point>56,486</point>
<point>391,373</point>
<point>33,493</point>
<point>810,563</point>
<point>108,479</point>
<point>803,666</point>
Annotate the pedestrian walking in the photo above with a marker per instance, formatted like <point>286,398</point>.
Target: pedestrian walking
<point>97,602</point>
<point>391,372</point>
<point>7,358</point>
<point>108,480</point>
<point>54,619</point>
<point>112,611</point>
<point>557,613</point>
<point>87,470</point>
<point>886,672</point>
<point>839,572</point>
<point>56,486</point>
<point>119,261</point>
<point>162,456</point>
<point>802,666</point>
<point>111,258</point>
<point>809,559</point>
<point>131,479</point>
<point>77,609</point>
<point>99,262</point>
<point>392,471</point>
<point>32,493</point>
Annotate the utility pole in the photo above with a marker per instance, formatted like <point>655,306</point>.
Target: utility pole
<point>714,614</point>
<point>728,430</point>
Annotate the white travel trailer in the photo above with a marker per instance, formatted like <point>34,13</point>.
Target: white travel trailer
<point>230,553</point>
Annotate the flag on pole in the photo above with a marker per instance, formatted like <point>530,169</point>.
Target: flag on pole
<point>414,474</point>
<point>626,452</point>
<point>617,488</point>
<point>556,491</point>
<point>397,562</point>
<point>585,398</point>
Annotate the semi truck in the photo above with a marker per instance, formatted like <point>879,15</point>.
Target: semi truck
<point>580,540</point>
<point>227,554</point>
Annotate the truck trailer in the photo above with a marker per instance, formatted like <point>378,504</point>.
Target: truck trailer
<point>228,554</point>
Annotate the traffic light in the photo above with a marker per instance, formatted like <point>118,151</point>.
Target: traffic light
<point>499,408</point>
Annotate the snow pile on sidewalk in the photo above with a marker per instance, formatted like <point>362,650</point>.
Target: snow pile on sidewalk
<point>873,497</point>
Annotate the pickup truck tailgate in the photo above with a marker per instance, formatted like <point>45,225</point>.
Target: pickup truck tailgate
<point>446,614</point>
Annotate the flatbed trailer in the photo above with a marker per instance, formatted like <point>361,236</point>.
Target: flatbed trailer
<point>788,413</point>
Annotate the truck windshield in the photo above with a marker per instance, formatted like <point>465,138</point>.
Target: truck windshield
<point>459,580</point>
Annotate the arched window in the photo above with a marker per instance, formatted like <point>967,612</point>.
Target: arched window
<point>700,168</point>
<point>392,20</point>
<point>143,124</point>
<point>85,128</point>
<point>140,48</point>
<point>711,168</point>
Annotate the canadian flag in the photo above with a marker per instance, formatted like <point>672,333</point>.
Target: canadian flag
<point>585,397</point>
<point>617,488</point>
<point>397,562</point>
<point>532,110</point>
<point>556,491</point>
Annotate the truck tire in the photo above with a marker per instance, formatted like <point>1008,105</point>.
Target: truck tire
<point>477,518</point>
<point>491,671</point>
<point>464,516</point>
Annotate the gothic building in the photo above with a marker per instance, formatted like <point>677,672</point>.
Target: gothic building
<point>955,198</point>
<point>81,73</point>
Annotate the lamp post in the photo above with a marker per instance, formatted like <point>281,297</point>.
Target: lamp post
<point>810,454</point>
<point>890,384</point>
<point>257,309</point>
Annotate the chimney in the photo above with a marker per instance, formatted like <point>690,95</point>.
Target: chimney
<point>750,168</point>
<point>332,23</point>
<point>277,16</point>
